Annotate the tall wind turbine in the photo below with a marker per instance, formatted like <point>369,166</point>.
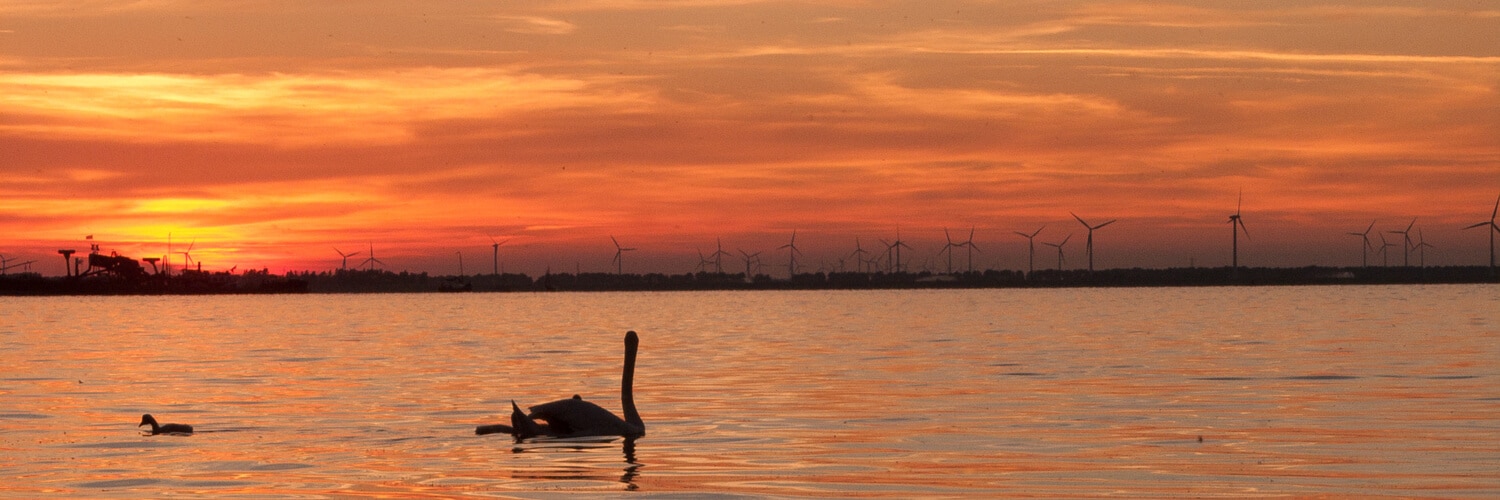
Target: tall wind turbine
<point>971,247</point>
<point>1422,247</point>
<point>371,260</point>
<point>948,247</point>
<point>718,256</point>
<point>187,256</point>
<point>1236,225</point>
<point>495,246</point>
<point>345,263</point>
<point>859,256</point>
<point>896,247</point>
<point>1406,244</point>
<point>791,254</point>
<point>1385,259</point>
<point>1031,249</point>
<point>1089,247</point>
<point>1059,247</point>
<point>619,259</point>
<point>1364,256</point>
<point>749,257</point>
<point>1492,230</point>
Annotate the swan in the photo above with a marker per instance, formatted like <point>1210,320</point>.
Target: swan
<point>574,417</point>
<point>164,429</point>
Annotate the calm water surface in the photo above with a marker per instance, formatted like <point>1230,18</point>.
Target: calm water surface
<point>1314,391</point>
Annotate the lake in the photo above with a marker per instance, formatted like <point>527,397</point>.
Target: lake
<point>1357,392</point>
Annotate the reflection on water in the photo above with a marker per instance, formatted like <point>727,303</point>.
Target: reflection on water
<point>1316,391</point>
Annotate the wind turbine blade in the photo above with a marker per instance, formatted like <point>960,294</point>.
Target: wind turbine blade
<point>1023,235</point>
<point>1482,224</point>
<point>1104,224</point>
<point>1038,231</point>
<point>1080,219</point>
<point>1065,240</point>
<point>1241,223</point>
<point>1372,226</point>
<point>1496,211</point>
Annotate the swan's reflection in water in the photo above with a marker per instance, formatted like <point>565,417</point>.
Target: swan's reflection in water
<point>587,466</point>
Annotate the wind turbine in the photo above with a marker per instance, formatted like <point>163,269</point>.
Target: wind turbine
<point>1406,244</point>
<point>718,256</point>
<point>1492,230</point>
<point>495,246</point>
<point>187,256</point>
<point>791,254</point>
<point>859,256</point>
<point>1385,260</point>
<point>371,260</point>
<point>1059,247</point>
<point>1031,249</point>
<point>749,257</point>
<point>702,262</point>
<point>1089,247</point>
<point>346,256</point>
<point>1364,256</point>
<point>896,247</point>
<point>619,259</point>
<point>1236,225</point>
<point>948,247</point>
<point>460,262</point>
<point>971,247</point>
<point>1422,247</point>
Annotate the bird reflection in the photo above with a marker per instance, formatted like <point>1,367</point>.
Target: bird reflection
<point>547,444</point>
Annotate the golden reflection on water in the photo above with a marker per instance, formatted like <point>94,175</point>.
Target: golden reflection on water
<point>1230,392</point>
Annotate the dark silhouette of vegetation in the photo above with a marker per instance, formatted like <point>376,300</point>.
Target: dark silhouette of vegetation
<point>114,275</point>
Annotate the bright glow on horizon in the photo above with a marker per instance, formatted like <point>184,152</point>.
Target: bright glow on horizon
<point>274,132</point>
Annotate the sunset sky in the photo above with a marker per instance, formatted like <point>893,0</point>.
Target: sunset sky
<point>267,133</point>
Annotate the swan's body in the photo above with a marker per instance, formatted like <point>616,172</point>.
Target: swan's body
<point>574,417</point>
<point>164,429</point>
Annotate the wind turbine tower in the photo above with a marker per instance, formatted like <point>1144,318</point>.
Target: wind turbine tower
<point>1236,226</point>
<point>1031,249</point>
<point>859,256</point>
<point>1406,243</point>
<point>948,247</point>
<point>1364,255</point>
<point>791,254</point>
<point>1422,246</point>
<point>1059,247</point>
<point>719,256</point>
<point>1492,230</point>
<point>1089,247</point>
<point>749,257</point>
<point>619,255</point>
<point>971,247</point>
<point>371,260</point>
<point>495,246</point>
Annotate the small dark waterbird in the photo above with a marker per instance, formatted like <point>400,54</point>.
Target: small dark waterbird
<point>164,428</point>
<point>574,417</point>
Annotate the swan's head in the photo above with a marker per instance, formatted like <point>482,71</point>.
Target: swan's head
<point>146,419</point>
<point>631,340</point>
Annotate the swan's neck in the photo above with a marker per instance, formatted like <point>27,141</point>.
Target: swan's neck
<point>627,381</point>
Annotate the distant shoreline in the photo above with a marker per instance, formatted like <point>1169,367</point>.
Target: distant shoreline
<point>375,281</point>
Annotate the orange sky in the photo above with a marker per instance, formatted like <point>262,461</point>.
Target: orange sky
<point>269,132</point>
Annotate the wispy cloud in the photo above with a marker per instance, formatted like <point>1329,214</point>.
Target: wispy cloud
<point>536,25</point>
